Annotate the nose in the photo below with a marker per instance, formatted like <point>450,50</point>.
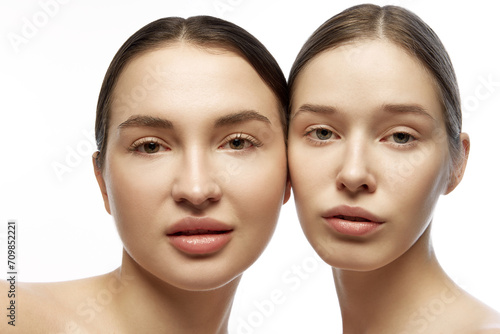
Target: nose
<point>194,182</point>
<point>355,174</point>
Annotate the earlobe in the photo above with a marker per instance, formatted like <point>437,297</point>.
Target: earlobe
<point>100,180</point>
<point>288,190</point>
<point>459,170</point>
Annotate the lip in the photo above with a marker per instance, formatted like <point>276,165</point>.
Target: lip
<point>353,221</point>
<point>199,235</point>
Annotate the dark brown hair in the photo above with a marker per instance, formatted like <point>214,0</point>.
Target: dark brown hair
<point>408,31</point>
<point>203,31</point>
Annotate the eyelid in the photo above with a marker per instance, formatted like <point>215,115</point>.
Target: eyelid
<point>402,129</point>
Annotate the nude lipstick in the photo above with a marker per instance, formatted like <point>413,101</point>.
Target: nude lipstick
<point>353,221</point>
<point>199,236</point>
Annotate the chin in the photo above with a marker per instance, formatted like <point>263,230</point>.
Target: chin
<point>360,266</point>
<point>353,258</point>
<point>204,282</point>
<point>350,263</point>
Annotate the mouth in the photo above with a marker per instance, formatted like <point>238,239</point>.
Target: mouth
<point>352,221</point>
<point>199,236</point>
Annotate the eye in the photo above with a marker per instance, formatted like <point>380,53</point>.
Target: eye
<point>402,137</point>
<point>319,134</point>
<point>240,142</point>
<point>148,146</point>
<point>323,134</point>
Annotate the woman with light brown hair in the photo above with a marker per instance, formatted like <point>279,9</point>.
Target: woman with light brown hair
<point>374,140</point>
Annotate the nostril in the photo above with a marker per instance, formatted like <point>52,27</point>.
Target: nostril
<point>194,194</point>
<point>356,184</point>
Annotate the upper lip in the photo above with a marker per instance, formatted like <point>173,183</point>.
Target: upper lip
<point>198,225</point>
<point>352,213</point>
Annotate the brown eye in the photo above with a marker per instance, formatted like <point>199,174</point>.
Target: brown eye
<point>237,144</point>
<point>240,142</point>
<point>151,147</point>
<point>323,134</point>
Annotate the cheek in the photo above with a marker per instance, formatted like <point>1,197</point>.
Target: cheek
<point>253,192</point>
<point>255,195</point>
<point>256,184</point>
<point>310,175</point>
<point>416,178</point>
<point>413,190</point>
<point>136,194</point>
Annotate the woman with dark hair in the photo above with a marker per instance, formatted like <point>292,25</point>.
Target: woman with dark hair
<point>190,129</point>
<point>374,140</point>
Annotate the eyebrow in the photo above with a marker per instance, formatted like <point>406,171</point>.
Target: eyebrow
<point>391,108</point>
<point>240,117</point>
<point>147,121</point>
<point>315,108</point>
<point>407,108</point>
<point>157,122</point>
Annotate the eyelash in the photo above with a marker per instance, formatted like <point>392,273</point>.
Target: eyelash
<point>138,143</point>
<point>245,137</point>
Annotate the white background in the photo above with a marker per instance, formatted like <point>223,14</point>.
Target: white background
<point>48,91</point>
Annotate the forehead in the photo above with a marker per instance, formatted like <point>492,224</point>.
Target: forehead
<point>366,73</point>
<point>182,78</point>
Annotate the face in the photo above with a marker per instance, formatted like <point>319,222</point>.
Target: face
<point>195,169</point>
<point>368,153</point>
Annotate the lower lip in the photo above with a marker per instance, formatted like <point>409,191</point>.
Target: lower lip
<point>200,243</point>
<point>351,227</point>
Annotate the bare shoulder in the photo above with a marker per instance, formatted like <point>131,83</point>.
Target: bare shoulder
<point>488,325</point>
<point>61,307</point>
<point>477,317</point>
<point>489,322</point>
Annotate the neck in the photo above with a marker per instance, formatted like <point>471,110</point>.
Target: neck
<point>392,296</point>
<point>149,305</point>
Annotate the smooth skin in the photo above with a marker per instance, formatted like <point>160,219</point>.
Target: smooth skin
<point>367,130</point>
<point>206,141</point>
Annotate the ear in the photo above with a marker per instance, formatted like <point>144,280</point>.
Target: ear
<point>100,180</point>
<point>288,190</point>
<point>458,171</point>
